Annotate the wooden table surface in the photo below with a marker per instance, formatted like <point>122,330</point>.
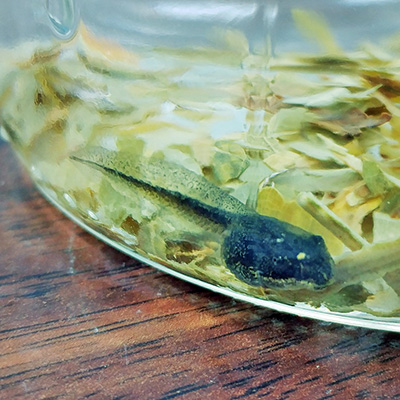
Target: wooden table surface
<point>80,320</point>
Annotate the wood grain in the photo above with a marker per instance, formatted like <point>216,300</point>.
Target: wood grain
<point>80,320</point>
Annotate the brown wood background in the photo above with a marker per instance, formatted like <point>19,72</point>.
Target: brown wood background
<point>79,320</point>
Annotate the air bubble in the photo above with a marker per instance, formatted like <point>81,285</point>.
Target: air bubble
<point>70,200</point>
<point>64,17</point>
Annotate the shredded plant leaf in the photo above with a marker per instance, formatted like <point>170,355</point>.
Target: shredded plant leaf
<point>310,139</point>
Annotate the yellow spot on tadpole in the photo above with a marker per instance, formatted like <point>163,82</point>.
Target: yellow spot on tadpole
<point>301,256</point>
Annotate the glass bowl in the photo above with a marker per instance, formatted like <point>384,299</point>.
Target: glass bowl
<point>249,147</point>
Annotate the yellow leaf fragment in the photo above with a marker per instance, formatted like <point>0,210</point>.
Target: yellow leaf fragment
<point>353,214</point>
<point>383,298</point>
<point>282,160</point>
<point>271,203</point>
<point>108,49</point>
<point>314,27</point>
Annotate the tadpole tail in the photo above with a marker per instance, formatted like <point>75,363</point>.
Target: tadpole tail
<point>218,219</point>
<point>164,175</point>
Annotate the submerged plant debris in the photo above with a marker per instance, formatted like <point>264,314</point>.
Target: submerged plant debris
<point>312,140</point>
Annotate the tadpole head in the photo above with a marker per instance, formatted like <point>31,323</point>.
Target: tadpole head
<point>263,251</point>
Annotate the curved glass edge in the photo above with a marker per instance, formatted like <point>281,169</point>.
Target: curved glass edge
<point>355,319</point>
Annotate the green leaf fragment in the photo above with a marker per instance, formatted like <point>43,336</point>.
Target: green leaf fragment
<point>386,228</point>
<point>316,149</point>
<point>226,166</point>
<point>234,40</point>
<point>374,178</point>
<point>331,221</point>
<point>326,98</point>
<point>297,180</point>
<point>287,84</point>
<point>333,97</point>
<point>367,263</point>
<point>288,121</point>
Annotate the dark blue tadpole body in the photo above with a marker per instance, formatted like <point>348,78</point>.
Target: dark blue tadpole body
<point>259,250</point>
<point>268,252</point>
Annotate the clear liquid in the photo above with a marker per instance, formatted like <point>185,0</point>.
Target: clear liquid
<point>303,140</point>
